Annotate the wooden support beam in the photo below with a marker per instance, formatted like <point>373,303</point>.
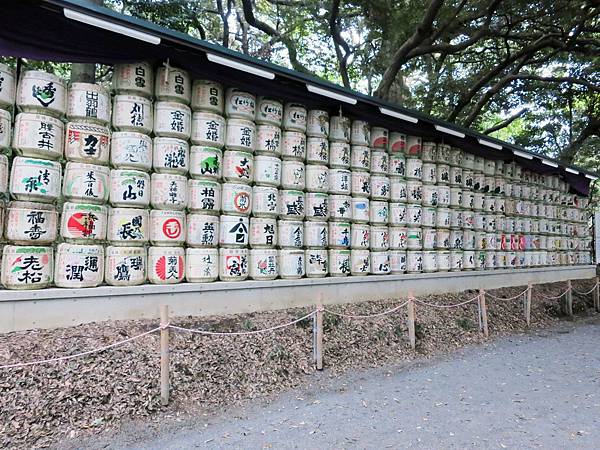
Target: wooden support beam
<point>410,306</point>
<point>483,312</point>
<point>165,357</point>
<point>318,337</point>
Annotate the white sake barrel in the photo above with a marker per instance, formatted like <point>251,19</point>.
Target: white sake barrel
<point>456,176</point>
<point>456,157</point>
<point>202,230</point>
<point>468,161</point>
<point>360,184</point>
<point>360,158</point>
<point>414,169</point>
<point>397,261</point>
<point>430,263</point>
<point>240,135</point>
<point>360,262</point>
<point>499,167</point>
<point>236,199</point>
<point>499,204</point>
<point>380,187</point>
<point>31,223</point>
<point>293,175</point>
<point>429,151</point>
<point>456,197</point>
<point>128,226</point>
<point>479,221</point>
<point>397,213</point>
<point>317,123</point>
<point>263,232</point>
<point>398,238</point>
<point>267,170</point>
<point>397,165</point>
<point>168,191</point>
<point>489,167</point>
<point>291,204</point>
<point>339,128</point>
<point>414,214</point>
<point>488,184</point>
<point>172,120</point>
<point>379,212</point>
<point>82,222</point>
<point>443,261</point>
<point>479,164</point>
<point>317,150</point>
<point>36,135</point>
<point>268,140</point>
<point>316,206</point>
<point>269,111</point>
<point>380,238</point>
<point>499,185</point>
<point>457,218</point>
<point>25,267</point>
<point>360,210</point>
<point>315,261</point>
<point>360,133</point>
<point>489,204</point>
<point>339,181</point>
<point>166,265</point>
<point>6,129</point>
<point>125,266</point>
<point>379,138</point>
<point>398,190</point>
<point>129,188</point>
<point>88,102</point>
<point>206,162</point>
<point>316,234</point>
<point>172,84</point>
<point>41,92</point>
<point>339,155</point>
<point>491,260</point>
<point>478,201</point>
<point>429,238</point>
<point>233,231</point>
<point>480,240</point>
<point>429,216</point>
<point>339,235</point>
<point>238,166</point>
<point>360,236</point>
<point>429,173</point>
<point>397,143</point>
<point>430,195</point>
<point>478,181</point>
<point>293,145</point>
<point>456,238</point>
<point>208,129</point>
<point>290,234</point>
<point>468,260</point>
<point>204,196</point>
<point>442,239</point>
<point>317,178</point>
<point>339,263</point>
<point>480,260</point>
<point>415,191</point>
<point>132,113</point>
<point>87,142</point>
<point>442,154</point>
<point>467,179</point>
<point>413,147</point>
<point>86,182</point>
<point>130,150</point>
<point>207,95</point>
<point>414,262</point>
<point>414,238</point>
<point>379,162</point>
<point>8,87</point>
<point>443,218</point>
<point>263,264</point>
<point>201,265</point>
<point>468,199</point>
<point>35,179</point>
<point>291,264</point>
<point>78,266</point>
<point>456,260</point>
<point>133,78</point>
<point>340,207</point>
<point>240,104</point>
<point>264,201</point>
<point>294,117</point>
<point>443,173</point>
<point>380,263</point>
<point>233,264</point>
<point>167,227</point>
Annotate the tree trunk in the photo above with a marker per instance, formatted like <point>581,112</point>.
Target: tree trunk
<point>85,73</point>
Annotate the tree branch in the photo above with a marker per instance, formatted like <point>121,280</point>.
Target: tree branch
<point>339,42</point>
<point>506,122</point>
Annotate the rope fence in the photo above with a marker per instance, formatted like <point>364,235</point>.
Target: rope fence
<point>317,316</point>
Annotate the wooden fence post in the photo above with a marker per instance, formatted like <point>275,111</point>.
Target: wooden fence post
<point>412,337</point>
<point>528,304</point>
<point>597,296</point>
<point>569,299</point>
<point>164,356</point>
<point>318,337</point>
<point>483,312</point>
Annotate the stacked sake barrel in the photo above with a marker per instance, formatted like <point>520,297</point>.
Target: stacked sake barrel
<point>35,181</point>
<point>7,101</point>
<point>131,159</point>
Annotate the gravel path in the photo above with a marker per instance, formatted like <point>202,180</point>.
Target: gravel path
<point>539,390</point>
